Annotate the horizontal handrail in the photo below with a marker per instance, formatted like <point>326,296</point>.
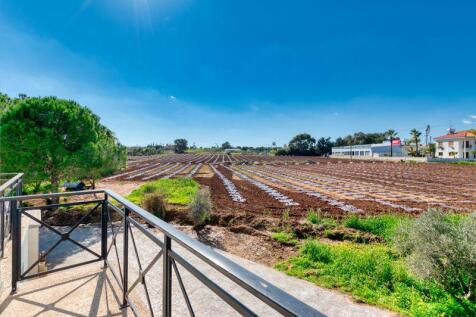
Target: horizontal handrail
<point>11,181</point>
<point>52,195</point>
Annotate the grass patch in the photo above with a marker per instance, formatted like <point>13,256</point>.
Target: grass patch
<point>178,191</point>
<point>375,275</point>
<point>284,238</point>
<point>470,163</point>
<point>313,216</point>
<point>383,226</point>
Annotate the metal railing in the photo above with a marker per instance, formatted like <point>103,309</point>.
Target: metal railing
<point>131,215</point>
<point>10,185</point>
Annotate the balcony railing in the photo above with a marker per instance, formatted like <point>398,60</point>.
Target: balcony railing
<point>121,220</point>
<point>10,185</point>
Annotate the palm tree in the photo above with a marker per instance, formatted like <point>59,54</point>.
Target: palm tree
<point>391,134</point>
<point>415,138</point>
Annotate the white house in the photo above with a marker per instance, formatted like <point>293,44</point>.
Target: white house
<point>370,150</point>
<point>456,145</point>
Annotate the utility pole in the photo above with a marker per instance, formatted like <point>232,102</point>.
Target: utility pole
<point>427,133</point>
<point>391,146</point>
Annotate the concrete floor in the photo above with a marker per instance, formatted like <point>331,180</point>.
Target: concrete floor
<point>91,291</point>
<point>80,292</point>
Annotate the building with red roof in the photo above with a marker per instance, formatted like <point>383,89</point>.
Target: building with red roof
<point>457,145</point>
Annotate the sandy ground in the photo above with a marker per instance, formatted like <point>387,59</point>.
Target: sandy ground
<point>122,188</point>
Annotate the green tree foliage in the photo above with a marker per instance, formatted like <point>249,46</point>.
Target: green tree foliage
<point>302,144</point>
<point>51,139</point>
<point>181,145</point>
<point>5,102</point>
<point>361,138</point>
<point>226,146</point>
<point>103,157</point>
<point>150,149</point>
<point>324,146</point>
<point>415,139</point>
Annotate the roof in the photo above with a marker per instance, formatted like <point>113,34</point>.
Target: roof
<point>457,135</point>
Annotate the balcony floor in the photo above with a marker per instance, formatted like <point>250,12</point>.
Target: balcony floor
<point>83,291</point>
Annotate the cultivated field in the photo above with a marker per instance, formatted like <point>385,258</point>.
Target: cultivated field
<point>268,184</point>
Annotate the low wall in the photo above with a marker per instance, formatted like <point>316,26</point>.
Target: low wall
<point>382,158</point>
<point>30,241</point>
<point>450,160</point>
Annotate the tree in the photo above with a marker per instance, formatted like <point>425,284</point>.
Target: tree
<point>302,144</point>
<point>324,146</point>
<point>51,139</point>
<point>391,134</point>
<point>181,145</point>
<point>103,157</point>
<point>226,146</point>
<point>415,138</point>
<point>5,102</point>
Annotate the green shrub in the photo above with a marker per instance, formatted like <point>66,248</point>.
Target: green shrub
<point>383,225</point>
<point>373,274</point>
<point>442,249</point>
<point>284,238</point>
<point>201,207</point>
<point>313,216</point>
<point>155,204</point>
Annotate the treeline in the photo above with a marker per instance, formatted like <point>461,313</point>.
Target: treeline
<point>54,140</point>
<point>305,144</point>
<point>362,138</point>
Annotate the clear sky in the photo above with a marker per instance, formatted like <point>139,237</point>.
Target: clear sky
<point>246,71</point>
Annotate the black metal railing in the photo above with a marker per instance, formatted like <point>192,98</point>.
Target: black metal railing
<point>10,185</point>
<point>132,216</point>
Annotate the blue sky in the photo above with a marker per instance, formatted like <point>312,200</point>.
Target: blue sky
<point>248,72</point>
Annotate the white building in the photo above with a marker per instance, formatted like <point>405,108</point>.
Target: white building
<point>456,145</point>
<point>370,150</point>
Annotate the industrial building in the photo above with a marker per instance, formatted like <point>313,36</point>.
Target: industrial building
<point>370,150</point>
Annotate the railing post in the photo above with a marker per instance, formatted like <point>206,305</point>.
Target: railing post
<point>125,260</point>
<point>104,220</point>
<point>2,224</point>
<point>16,247</point>
<point>167,278</point>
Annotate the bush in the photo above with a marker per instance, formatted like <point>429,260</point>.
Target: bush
<point>284,238</point>
<point>442,249</point>
<point>155,204</point>
<point>201,207</point>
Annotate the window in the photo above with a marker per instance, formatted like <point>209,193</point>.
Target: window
<point>467,144</point>
<point>440,153</point>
